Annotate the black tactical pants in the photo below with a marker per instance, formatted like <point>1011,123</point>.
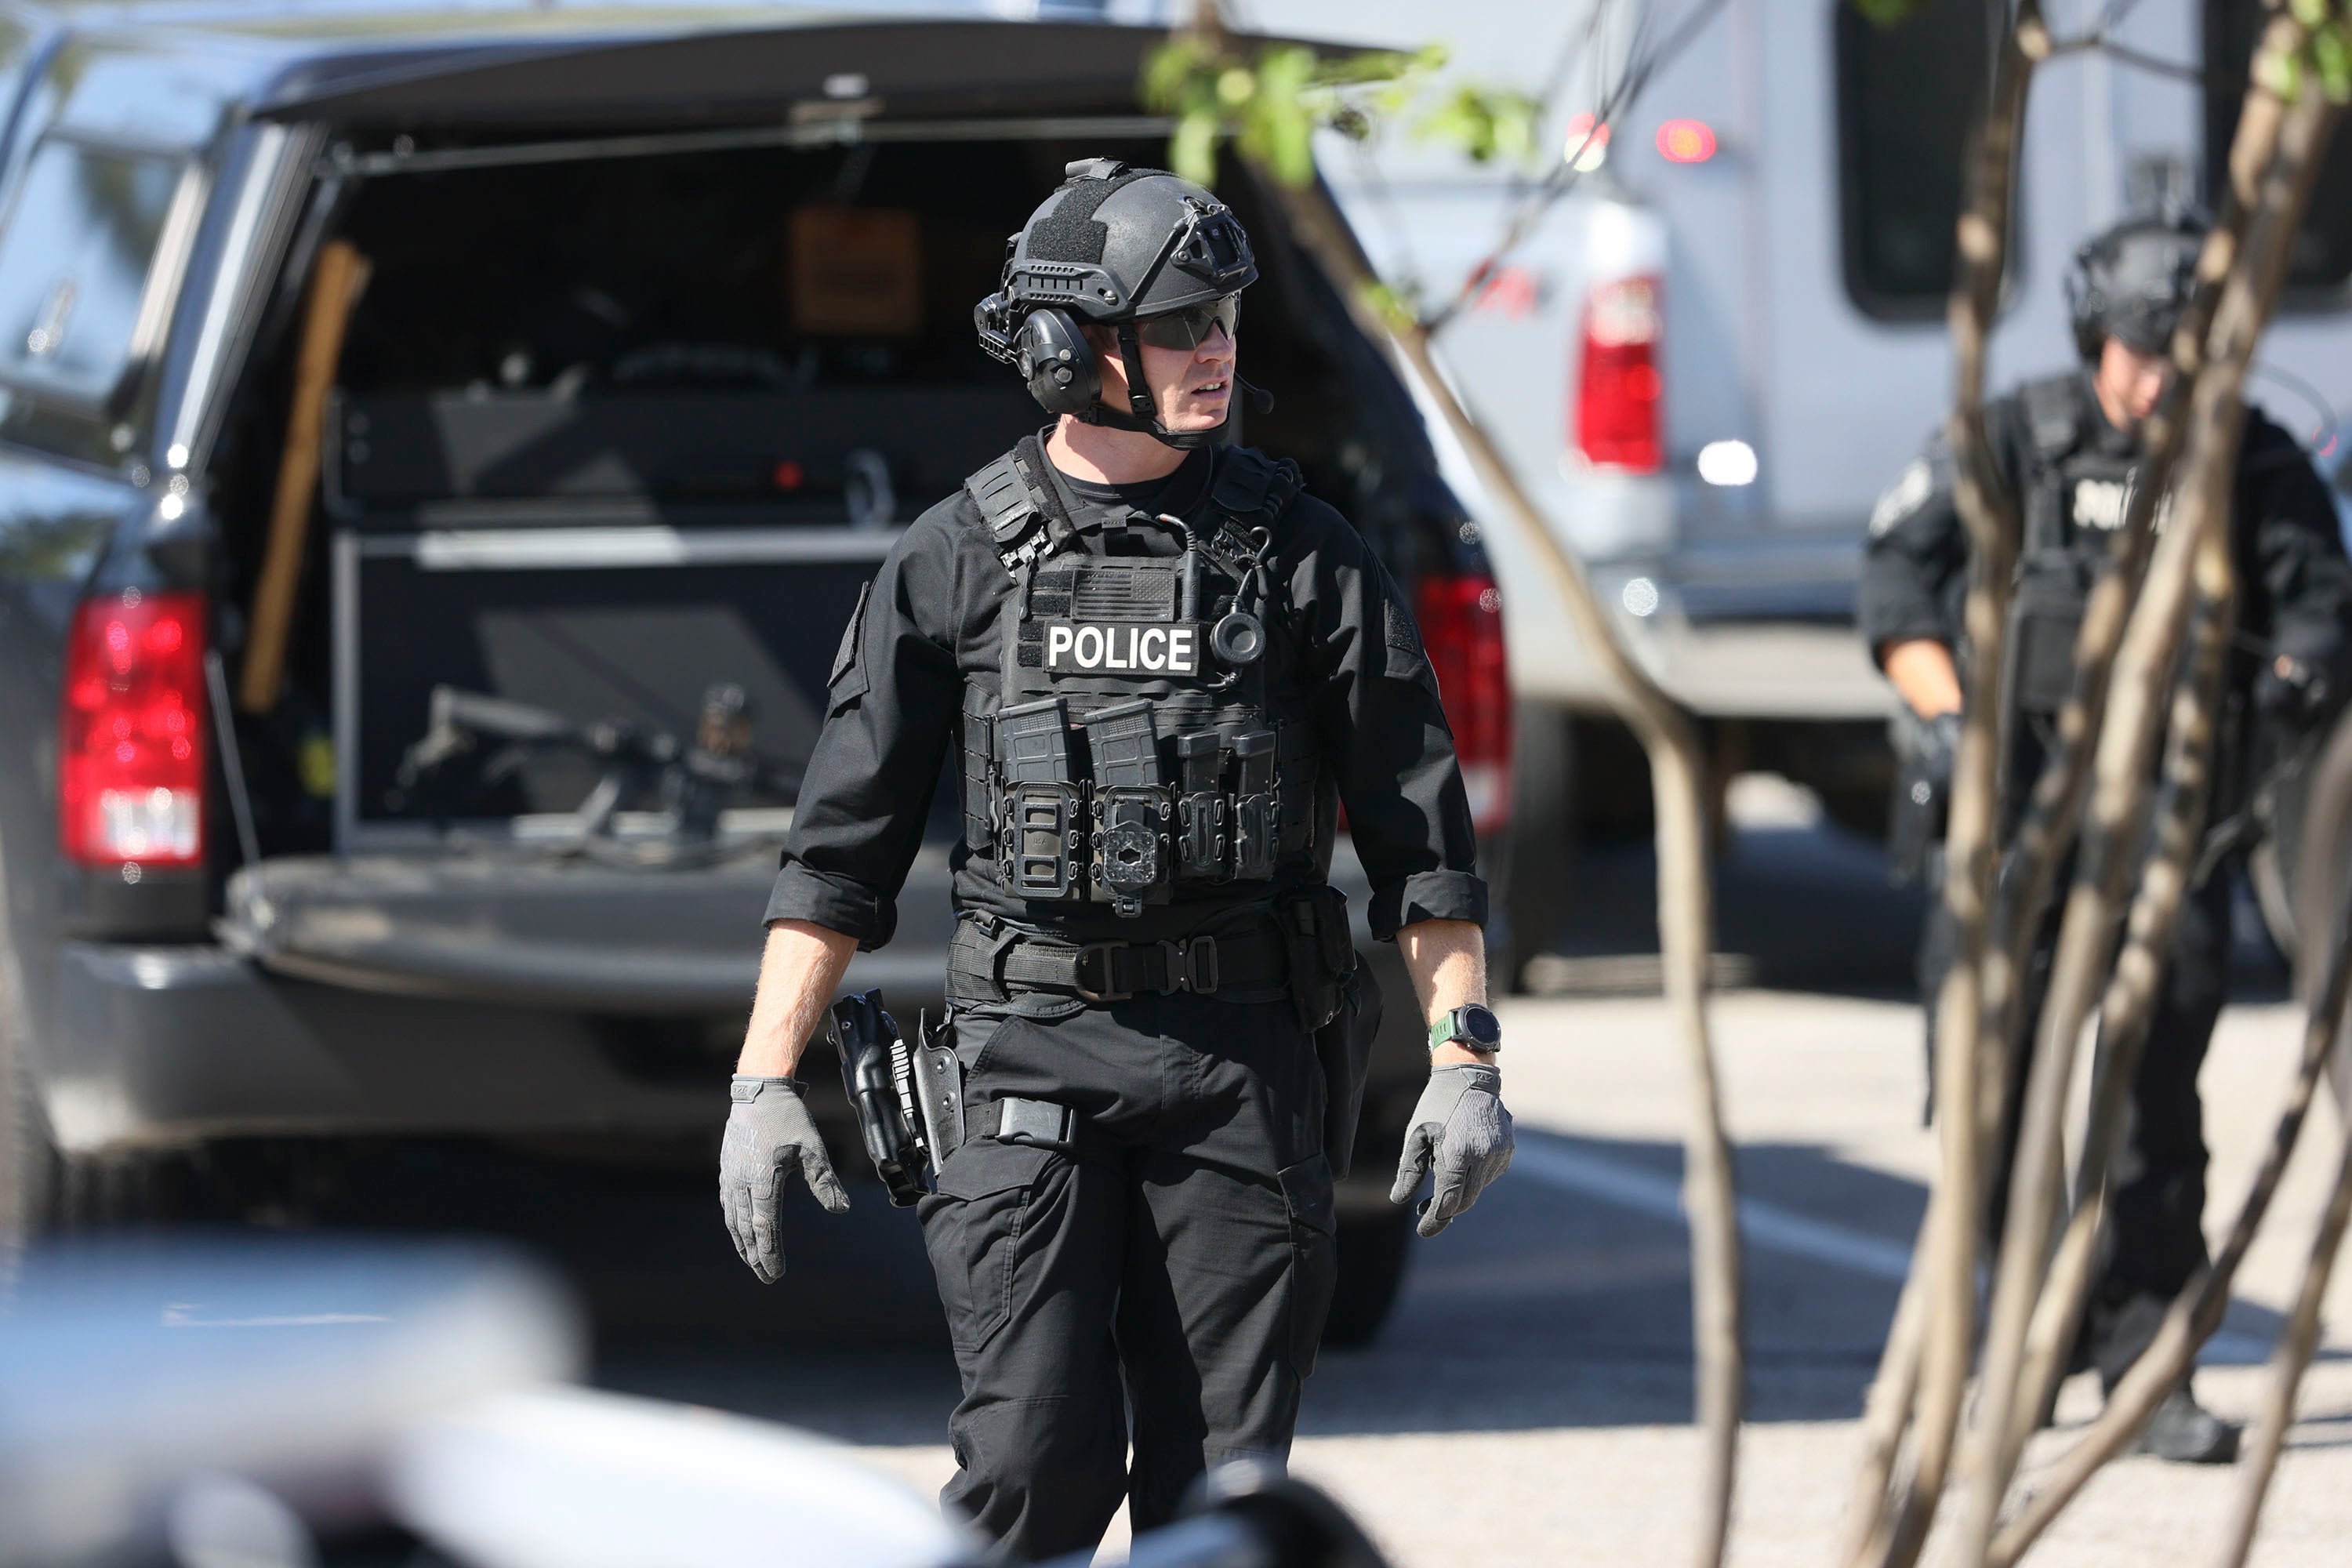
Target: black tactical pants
<point>1177,1264</point>
<point>2154,1238</point>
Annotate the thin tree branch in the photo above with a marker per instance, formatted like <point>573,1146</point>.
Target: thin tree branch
<point>2126,1010</point>
<point>2197,1312</point>
<point>1685,917</point>
<point>1619,100</point>
<point>2292,1360</point>
<point>2216,421</point>
<point>1946,1257</point>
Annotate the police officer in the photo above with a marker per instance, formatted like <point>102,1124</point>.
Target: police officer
<point>1163,669</point>
<point>2068,448</point>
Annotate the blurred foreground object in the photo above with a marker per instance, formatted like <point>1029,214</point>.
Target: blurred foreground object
<point>261,1403</point>
<point>574,1478</point>
<point>1250,1514</point>
<point>128,1369</point>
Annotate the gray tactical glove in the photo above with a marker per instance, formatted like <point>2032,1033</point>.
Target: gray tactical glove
<point>1461,1130</point>
<point>769,1136</point>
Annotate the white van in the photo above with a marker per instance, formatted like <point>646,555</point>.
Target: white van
<point>1729,336</point>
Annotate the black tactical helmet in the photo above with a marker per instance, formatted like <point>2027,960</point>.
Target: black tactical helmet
<point>1111,245</point>
<point>2133,281</point>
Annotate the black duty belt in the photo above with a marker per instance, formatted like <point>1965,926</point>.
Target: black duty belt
<point>1011,961</point>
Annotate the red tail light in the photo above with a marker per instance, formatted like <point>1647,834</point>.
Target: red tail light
<point>130,739</point>
<point>1618,385</point>
<point>1462,628</point>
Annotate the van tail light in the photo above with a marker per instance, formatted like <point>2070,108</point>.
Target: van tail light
<point>1462,629</point>
<point>1618,385</point>
<point>131,738</point>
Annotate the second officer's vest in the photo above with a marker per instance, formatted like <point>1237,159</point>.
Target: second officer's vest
<point>1134,746</point>
<point>2074,499</point>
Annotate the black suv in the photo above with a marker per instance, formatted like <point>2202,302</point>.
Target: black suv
<point>438,453</point>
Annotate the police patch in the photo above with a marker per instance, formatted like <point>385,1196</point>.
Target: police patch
<point>2100,503</point>
<point>1902,498</point>
<point>1122,647</point>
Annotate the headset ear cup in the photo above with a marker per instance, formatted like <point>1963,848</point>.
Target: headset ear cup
<point>1057,363</point>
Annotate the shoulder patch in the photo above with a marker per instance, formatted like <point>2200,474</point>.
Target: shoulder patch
<point>1399,631</point>
<point>1906,495</point>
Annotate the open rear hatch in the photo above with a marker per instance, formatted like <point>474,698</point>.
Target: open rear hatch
<point>646,374</point>
<point>587,534</point>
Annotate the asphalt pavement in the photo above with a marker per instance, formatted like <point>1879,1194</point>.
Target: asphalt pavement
<point>1530,1400</point>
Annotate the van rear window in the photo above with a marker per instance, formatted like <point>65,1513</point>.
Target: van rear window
<point>2319,269</point>
<point>75,264</point>
<point>1907,95</point>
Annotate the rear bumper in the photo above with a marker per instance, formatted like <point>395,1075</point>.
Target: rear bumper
<point>438,1013</point>
<point>159,1046</point>
<point>1751,630</point>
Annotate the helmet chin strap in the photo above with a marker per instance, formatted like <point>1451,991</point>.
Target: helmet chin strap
<point>1139,415</point>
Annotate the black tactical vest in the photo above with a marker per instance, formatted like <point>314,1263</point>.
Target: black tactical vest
<point>1138,744</point>
<point>2074,501</point>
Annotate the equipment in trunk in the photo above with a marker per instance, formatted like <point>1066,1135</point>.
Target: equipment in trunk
<point>692,780</point>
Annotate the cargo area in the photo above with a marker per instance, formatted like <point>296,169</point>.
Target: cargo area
<point>609,445</point>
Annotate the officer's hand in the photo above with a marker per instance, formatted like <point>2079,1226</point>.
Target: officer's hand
<point>1461,1130</point>
<point>769,1137</point>
<point>2292,691</point>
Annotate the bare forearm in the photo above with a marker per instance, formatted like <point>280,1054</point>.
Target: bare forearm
<point>1447,962</point>
<point>799,971</point>
<point>1923,674</point>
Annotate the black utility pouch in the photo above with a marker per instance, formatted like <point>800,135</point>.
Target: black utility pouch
<point>1343,1049</point>
<point>1322,955</point>
<point>2046,620</point>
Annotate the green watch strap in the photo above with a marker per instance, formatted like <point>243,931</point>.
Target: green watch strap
<point>1453,1026</point>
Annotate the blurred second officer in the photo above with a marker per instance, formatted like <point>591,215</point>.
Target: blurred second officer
<point>2068,448</point>
<point>1163,670</point>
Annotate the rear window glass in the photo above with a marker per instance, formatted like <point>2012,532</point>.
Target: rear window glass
<point>75,261</point>
<point>2321,261</point>
<point>1907,95</point>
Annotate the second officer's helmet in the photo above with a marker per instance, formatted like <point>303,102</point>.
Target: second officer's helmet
<point>2133,281</point>
<point>1111,245</point>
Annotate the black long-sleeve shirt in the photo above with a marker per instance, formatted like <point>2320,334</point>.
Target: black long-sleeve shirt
<point>932,623</point>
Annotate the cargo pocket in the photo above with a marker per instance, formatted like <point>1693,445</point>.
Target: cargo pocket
<point>1314,1255</point>
<point>973,1228</point>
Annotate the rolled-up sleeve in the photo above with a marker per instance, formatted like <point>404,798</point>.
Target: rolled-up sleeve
<point>2300,584</point>
<point>1384,733</point>
<point>891,706</point>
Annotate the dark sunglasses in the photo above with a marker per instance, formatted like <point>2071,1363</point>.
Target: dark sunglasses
<point>1188,328</point>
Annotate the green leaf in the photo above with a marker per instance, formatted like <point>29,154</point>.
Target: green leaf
<point>1888,13</point>
<point>1484,122</point>
<point>2312,14</point>
<point>1169,72</point>
<point>1390,306</point>
<point>2332,53</point>
<point>1192,148</point>
<point>2286,77</point>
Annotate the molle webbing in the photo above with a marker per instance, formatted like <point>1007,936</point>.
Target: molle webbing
<point>1123,755</point>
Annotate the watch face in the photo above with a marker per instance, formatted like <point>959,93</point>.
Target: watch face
<point>1480,1026</point>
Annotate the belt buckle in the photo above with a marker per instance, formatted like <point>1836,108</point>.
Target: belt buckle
<point>1192,964</point>
<point>1106,953</point>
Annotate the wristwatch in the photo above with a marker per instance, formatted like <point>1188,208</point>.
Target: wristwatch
<point>1473,1025</point>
